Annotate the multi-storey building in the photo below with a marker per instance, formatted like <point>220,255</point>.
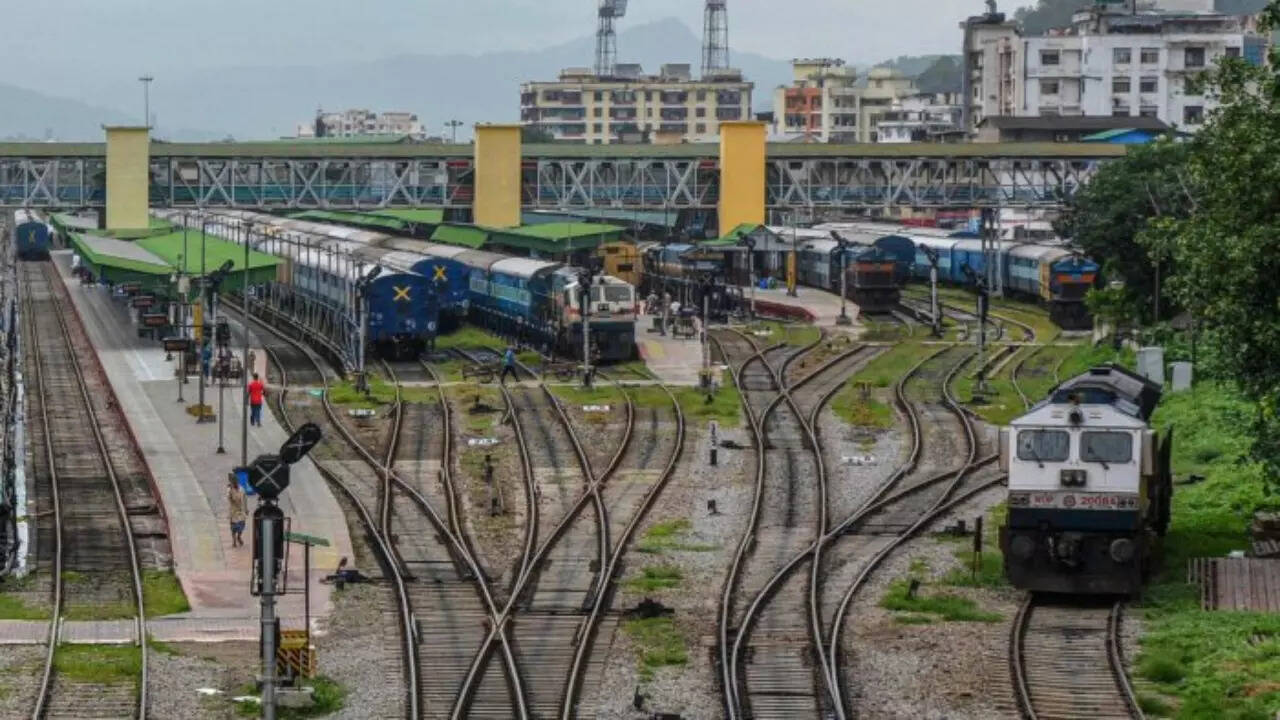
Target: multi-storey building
<point>825,102</point>
<point>1114,60</point>
<point>923,117</point>
<point>357,122</point>
<point>584,107</point>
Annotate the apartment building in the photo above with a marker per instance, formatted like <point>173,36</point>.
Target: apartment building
<point>584,107</point>
<point>923,117</point>
<point>360,122</point>
<point>826,103</point>
<point>1113,60</point>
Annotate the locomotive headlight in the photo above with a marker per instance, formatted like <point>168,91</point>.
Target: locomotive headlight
<point>1022,547</point>
<point>1122,550</point>
<point>1073,478</point>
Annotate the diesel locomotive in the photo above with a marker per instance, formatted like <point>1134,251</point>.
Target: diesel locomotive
<point>1089,487</point>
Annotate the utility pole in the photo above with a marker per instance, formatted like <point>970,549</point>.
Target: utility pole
<point>792,267</point>
<point>146,100</point>
<point>585,279</point>
<point>934,315</point>
<point>750,243</point>
<point>204,325</point>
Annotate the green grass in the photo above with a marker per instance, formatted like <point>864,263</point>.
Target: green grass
<point>1085,356</point>
<point>449,370</point>
<point>658,643</point>
<point>991,566</point>
<point>942,605</point>
<point>328,696</point>
<point>849,406</point>
<point>913,619</point>
<point>601,393</point>
<point>657,577</point>
<point>884,370</point>
<point>670,536</point>
<point>1200,664</point>
<point>468,337</point>
<point>798,334</point>
<point>725,406</point>
<point>101,664</point>
<point>162,593</point>
<point>345,394</point>
<point>14,606</point>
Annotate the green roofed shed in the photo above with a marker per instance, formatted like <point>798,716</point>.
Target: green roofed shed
<point>363,220</point>
<point>556,239</point>
<point>262,267</point>
<point>463,235</point>
<point>422,216</point>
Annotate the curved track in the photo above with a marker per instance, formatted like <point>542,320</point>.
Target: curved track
<point>95,558</point>
<point>1054,658</point>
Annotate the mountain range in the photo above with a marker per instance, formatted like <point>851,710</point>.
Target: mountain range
<point>256,102</point>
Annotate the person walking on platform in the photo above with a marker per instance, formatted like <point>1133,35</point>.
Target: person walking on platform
<point>508,365</point>
<point>237,510</point>
<point>256,392</point>
<point>206,358</point>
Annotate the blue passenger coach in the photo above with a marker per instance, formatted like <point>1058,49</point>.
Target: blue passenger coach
<point>30,235</point>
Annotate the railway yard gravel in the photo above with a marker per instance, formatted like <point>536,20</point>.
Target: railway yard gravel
<point>20,667</point>
<point>701,547</point>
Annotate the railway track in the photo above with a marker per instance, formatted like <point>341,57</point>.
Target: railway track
<point>443,596</point>
<point>94,558</point>
<point>557,612</point>
<point>1054,653</point>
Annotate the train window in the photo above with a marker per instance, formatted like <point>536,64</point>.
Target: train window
<point>617,293</point>
<point>626,267</point>
<point>1044,445</point>
<point>1106,447</point>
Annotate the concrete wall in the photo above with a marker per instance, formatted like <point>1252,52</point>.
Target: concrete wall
<point>497,161</point>
<point>128,177</point>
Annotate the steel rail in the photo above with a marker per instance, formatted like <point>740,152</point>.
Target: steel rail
<point>458,547</point>
<point>942,504</point>
<point>383,548</point>
<point>592,494</point>
<point>729,654</point>
<point>140,621</point>
<point>587,634</point>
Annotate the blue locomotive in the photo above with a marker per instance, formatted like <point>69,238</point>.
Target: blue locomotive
<point>31,236</point>
<point>511,295</point>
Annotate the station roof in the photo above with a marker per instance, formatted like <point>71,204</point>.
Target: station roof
<point>617,215</point>
<point>111,252</point>
<point>703,151</point>
<point>413,215</point>
<point>464,235</point>
<point>216,251</point>
<point>397,219</point>
<point>554,238</point>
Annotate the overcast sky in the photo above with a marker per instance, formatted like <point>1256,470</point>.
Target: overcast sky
<point>91,37</point>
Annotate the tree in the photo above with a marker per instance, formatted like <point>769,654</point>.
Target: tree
<point>1108,216</point>
<point>1227,247</point>
<point>1048,14</point>
<point>944,75</point>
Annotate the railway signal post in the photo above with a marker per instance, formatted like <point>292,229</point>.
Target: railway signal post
<point>269,476</point>
<point>750,244</point>
<point>934,315</point>
<point>362,315</point>
<point>841,246</point>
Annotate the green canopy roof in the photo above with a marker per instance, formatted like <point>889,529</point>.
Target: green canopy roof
<point>123,255</point>
<point>735,236</point>
<point>464,235</point>
<point>216,251</point>
<point>423,216</point>
<point>554,238</point>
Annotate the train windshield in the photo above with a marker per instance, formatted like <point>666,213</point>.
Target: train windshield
<point>1044,445</point>
<point>617,294</point>
<point>1106,447</point>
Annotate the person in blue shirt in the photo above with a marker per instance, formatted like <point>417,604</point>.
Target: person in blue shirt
<point>508,365</point>
<point>206,358</point>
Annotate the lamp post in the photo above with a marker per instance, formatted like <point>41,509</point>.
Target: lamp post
<point>791,271</point>
<point>246,229</point>
<point>362,315</point>
<point>146,100</point>
<point>204,324</point>
<point>585,278</point>
<point>453,126</point>
<point>934,315</point>
<point>841,246</point>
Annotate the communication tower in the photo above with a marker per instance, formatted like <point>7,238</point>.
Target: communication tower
<point>715,37</point>
<point>607,36</point>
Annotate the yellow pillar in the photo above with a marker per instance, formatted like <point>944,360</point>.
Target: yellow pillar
<point>128,177</point>
<point>742,162</point>
<point>497,172</point>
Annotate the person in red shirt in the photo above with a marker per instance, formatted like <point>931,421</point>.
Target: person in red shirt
<point>256,391</point>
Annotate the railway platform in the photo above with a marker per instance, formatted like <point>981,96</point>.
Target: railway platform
<point>809,305</point>
<point>675,360</point>
<point>191,478</point>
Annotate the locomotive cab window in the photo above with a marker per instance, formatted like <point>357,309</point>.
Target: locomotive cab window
<point>1044,445</point>
<point>617,293</point>
<point>1106,447</point>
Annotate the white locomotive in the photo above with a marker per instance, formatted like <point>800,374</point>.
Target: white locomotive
<point>1089,486</point>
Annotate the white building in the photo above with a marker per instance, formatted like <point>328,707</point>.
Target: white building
<point>922,117</point>
<point>670,107</point>
<point>1109,62</point>
<point>359,122</point>
<point>825,103</point>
